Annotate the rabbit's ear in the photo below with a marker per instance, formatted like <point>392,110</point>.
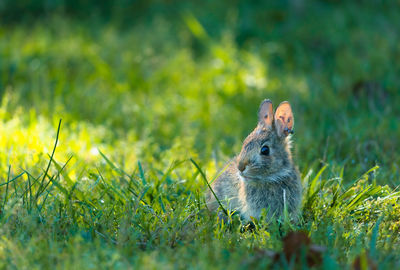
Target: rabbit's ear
<point>265,114</point>
<point>284,119</point>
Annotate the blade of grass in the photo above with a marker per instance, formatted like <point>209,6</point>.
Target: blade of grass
<point>5,195</point>
<point>30,193</point>
<point>118,193</point>
<point>32,184</point>
<point>65,175</point>
<point>48,165</point>
<point>209,186</point>
<point>172,167</point>
<point>220,172</point>
<point>15,187</point>
<point>7,183</point>
<point>12,180</point>
<point>374,237</point>
<point>141,173</point>
<point>45,198</point>
<point>58,174</point>
<point>314,181</point>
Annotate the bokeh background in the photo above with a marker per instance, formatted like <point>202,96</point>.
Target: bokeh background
<point>160,81</point>
<point>191,74</point>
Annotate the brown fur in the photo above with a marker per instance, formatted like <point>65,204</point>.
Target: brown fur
<point>267,181</point>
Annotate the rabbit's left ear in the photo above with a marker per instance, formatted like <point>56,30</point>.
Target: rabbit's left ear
<point>284,119</point>
<point>265,114</point>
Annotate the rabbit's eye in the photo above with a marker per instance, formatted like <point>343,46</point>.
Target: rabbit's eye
<point>265,150</point>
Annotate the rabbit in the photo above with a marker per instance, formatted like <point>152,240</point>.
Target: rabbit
<point>263,175</point>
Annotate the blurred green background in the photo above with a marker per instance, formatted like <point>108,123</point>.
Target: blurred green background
<point>194,72</point>
<point>165,80</point>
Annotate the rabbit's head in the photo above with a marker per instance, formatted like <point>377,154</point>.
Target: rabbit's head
<point>265,155</point>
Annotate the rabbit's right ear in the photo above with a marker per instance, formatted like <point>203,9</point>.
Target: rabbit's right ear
<point>284,119</point>
<point>265,114</point>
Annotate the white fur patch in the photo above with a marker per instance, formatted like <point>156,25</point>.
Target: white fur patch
<point>284,197</point>
<point>240,176</point>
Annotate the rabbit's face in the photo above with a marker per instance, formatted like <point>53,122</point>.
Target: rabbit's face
<point>265,155</point>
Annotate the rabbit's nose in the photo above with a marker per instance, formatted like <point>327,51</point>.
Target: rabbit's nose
<point>242,165</point>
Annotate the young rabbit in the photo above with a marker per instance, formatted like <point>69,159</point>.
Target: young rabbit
<point>263,175</point>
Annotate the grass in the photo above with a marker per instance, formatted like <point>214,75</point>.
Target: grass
<point>152,108</point>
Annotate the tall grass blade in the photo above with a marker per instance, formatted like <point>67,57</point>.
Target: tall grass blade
<point>209,186</point>
<point>50,161</point>
<point>374,237</point>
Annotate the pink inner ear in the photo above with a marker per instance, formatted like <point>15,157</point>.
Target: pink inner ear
<point>266,114</point>
<point>284,119</point>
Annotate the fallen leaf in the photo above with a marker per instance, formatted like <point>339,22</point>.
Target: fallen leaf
<point>294,242</point>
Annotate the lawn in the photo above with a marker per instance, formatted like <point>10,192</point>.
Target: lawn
<point>113,116</point>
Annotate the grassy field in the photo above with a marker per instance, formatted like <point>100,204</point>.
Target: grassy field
<point>140,96</point>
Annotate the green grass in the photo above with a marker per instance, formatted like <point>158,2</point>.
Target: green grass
<point>140,100</point>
